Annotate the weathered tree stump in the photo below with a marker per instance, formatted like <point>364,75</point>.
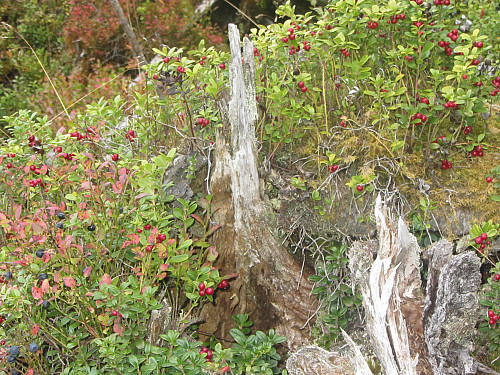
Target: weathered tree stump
<point>272,286</point>
<point>407,338</point>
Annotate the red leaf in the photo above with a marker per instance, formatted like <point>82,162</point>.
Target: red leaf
<point>87,271</point>
<point>86,185</point>
<point>142,195</point>
<point>106,279</point>
<point>37,293</point>
<point>45,286</point>
<point>213,229</point>
<point>57,277</point>
<point>198,219</point>
<point>17,214</point>
<point>34,330</point>
<point>117,328</point>
<point>163,267</point>
<point>69,282</point>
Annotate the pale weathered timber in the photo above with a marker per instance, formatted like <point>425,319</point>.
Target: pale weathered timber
<point>406,337</point>
<point>271,286</point>
<point>390,286</point>
<point>451,309</point>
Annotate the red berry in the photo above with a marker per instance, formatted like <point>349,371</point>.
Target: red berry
<point>201,286</point>
<point>225,369</point>
<point>425,101</point>
<point>478,240</point>
<point>496,277</point>
<point>209,291</point>
<point>114,313</point>
<point>139,230</point>
<point>495,318</point>
<point>224,284</point>
<point>209,353</point>
<point>115,157</point>
<point>484,236</point>
<point>301,84</point>
<point>359,188</point>
<point>303,89</point>
<point>491,321</point>
<point>342,123</point>
<point>491,313</point>
<point>161,237</point>
<point>202,292</point>
<point>489,179</point>
<point>155,76</point>
<point>9,165</point>
<point>149,248</point>
<point>166,60</point>
<point>31,138</point>
<point>479,44</point>
<point>222,66</point>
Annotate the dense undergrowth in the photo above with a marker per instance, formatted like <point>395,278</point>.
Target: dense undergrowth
<point>381,95</point>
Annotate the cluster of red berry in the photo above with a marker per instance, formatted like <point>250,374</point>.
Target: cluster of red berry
<point>394,19</point>
<point>372,25</point>
<point>131,135</point>
<point>344,52</point>
<point>202,290</point>
<point>203,121</point>
<point>419,116</point>
<point>496,83</point>
<point>450,105</point>
<point>333,168</point>
<point>302,86</point>
<point>482,241</point>
<point>467,129</point>
<point>493,318</point>
<point>453,35</point>
<point>446,46</point>
<point>446,164</point>
<point>478,151</point>
<point>441,2</point>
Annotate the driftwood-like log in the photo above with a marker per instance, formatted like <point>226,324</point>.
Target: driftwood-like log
<point>271,286</point>
<point>406,338</point>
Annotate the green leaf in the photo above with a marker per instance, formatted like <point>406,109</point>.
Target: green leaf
<point>160,161</point>
<point>495,198</point>
<point>238,336</point>
<point>179,258</point>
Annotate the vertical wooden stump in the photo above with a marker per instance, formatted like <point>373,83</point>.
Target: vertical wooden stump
<point>271,286</point>
<point>406,337</point>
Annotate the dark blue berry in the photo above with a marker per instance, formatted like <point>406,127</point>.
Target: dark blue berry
<point>91,227</point>
<point>61,216</point>
<point>45,304</point>
<point>33,347</point>
<point>39,253</point>
<point>42,276</point>
<point>60,225</point>
<point>8,275</point>
<point>14,350</point>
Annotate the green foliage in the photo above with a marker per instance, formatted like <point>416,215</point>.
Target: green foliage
<point>332,287</point>
<point>111,237</point>
<point>490,301</point>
